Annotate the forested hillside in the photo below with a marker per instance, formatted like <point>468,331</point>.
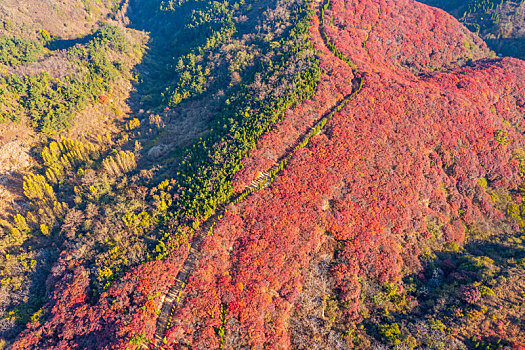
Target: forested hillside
<point>232,75</point>
<point>258,174</point>
<point>500,22</point>
<point>65,70</point>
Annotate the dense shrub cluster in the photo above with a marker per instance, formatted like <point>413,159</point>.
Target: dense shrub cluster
<point>470,294</point>
<point>15,51</point>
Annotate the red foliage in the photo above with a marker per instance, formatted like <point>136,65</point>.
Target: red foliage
<point>518,346</point>
<point>126,310</point>
<point>103,99</point>
<point>398,166</point>
<point>469,294</point>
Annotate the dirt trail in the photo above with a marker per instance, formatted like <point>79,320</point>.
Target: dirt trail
<point>176,294</point>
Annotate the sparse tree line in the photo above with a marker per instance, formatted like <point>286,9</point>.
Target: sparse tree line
<point>50,103</point>
<point>284,73</point>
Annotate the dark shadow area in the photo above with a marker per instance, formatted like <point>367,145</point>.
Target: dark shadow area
<point>156,70</point>
<point>513,47</point>
<point>65,44</point>
<point>478,261</point>
<point>482,24</point>
<point>156,75</point>
<point>453,6</point>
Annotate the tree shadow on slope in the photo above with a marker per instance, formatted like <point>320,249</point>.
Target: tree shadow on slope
<point>154,70</point>
<point>165,132</point>
<point>485,22</point>
<point>513,47</point>
<point>65,44</point>
<point>189,71</point>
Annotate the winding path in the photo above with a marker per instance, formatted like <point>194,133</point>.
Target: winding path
<point>176,294</point>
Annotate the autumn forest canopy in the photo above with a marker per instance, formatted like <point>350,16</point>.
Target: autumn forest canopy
<point>281,174</point>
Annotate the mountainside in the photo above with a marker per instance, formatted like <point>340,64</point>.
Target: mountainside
<point>288,174</point>
<point>66,19</point>
<point>65,70</point>
<point>501,23</point>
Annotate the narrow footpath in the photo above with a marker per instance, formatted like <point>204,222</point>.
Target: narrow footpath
<point>176,294</point>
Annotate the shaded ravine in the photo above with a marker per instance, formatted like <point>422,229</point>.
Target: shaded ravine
<point>176,294</point>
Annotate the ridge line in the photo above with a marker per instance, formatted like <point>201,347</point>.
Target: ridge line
<point>176,294</point>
